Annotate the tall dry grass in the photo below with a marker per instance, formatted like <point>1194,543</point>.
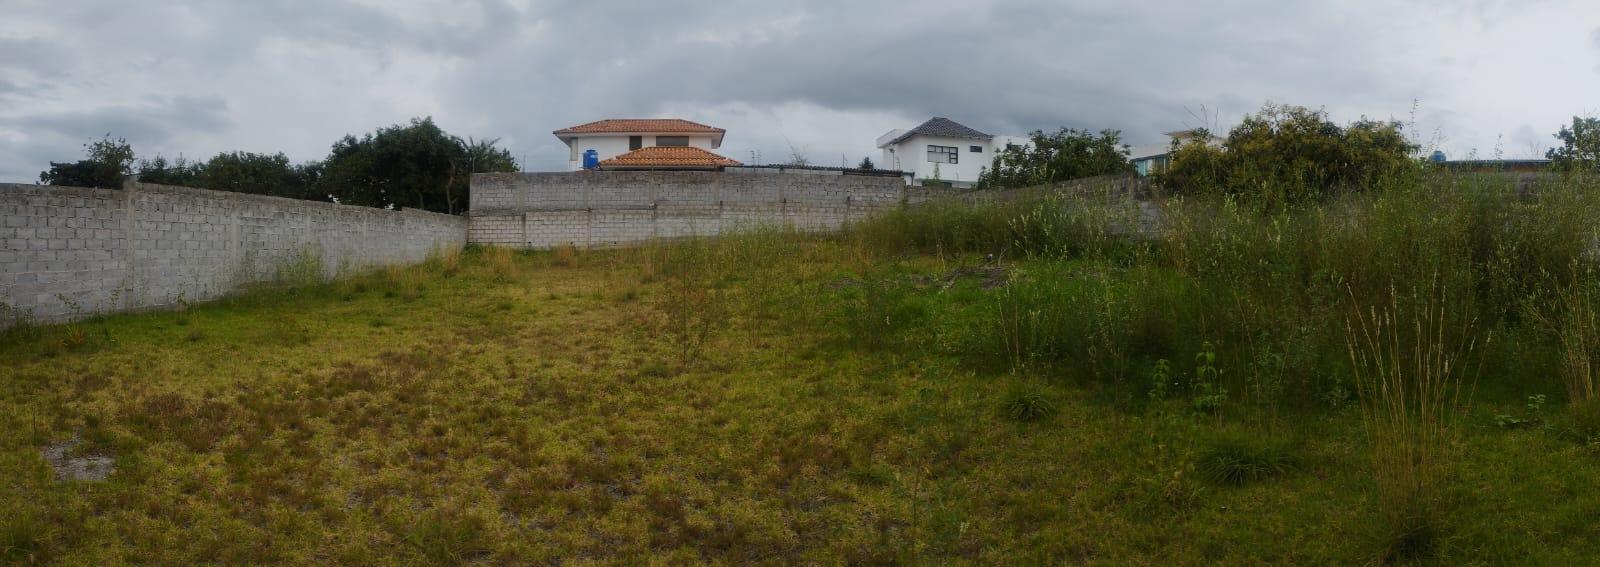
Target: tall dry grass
<point>1407,360</point>
<point>1574,321</point>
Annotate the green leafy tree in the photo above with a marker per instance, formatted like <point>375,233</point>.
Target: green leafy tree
<point>260,174</point>
<point>1059,156</point>
<point>1580,146</point>
<point>177,172</point>
<point>1291,153</point>
<point>866,163</point>
<point>416,165</point>
<point>107,163</point>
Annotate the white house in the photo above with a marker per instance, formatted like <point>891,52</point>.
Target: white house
<point>942,149</point>
<point>615,137</point>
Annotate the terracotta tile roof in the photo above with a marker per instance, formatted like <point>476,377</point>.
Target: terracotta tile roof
<point>668,156</point>
<point>620,125</point>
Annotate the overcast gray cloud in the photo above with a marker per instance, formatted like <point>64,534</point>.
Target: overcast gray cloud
<point>823,77</point>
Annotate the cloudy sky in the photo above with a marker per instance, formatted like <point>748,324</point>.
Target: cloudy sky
<point>823,78</point>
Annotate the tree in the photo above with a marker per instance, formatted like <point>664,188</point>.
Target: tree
<point>178,172</point>
<point>798,157</point>
<point>866,163</point>
<point>1290,153</point>
<point>260,174</point>
<point>1580,146</point>
<point>108,162</point>
<point>1060,156</point>
<point>416,165</point>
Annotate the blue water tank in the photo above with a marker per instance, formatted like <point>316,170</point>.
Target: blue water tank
<point>591,159</point>
<point>1437,157</point>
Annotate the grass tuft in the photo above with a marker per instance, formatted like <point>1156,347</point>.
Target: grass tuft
<point>1237,459</point>
<point>1027,404</point>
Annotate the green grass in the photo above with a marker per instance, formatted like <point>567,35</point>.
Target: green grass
<point>777,399</point>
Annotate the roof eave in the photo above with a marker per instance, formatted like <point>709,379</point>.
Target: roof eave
<point>910,135</point>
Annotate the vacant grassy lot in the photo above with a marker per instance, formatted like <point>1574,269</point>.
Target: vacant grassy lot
<point>775,399</point>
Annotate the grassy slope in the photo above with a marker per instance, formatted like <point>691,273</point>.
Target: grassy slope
<point>520,408</point>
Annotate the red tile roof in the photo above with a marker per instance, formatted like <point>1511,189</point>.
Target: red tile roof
<point>668,156</point>
<point>622,125</point>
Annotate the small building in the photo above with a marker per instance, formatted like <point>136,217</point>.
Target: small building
<point>1152,158</point>
<point>1149,159</point>
<point>1494,165</point>
<point>614,137</point>
<point>942,151</point>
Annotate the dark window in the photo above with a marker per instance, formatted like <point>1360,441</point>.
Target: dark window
<point>672,140</point>
<point>635,142</point>
<point>943,154</point>
<point>976,149</point>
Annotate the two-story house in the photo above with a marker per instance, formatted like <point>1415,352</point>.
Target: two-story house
<point>630,141</point>
<point>942,151</point>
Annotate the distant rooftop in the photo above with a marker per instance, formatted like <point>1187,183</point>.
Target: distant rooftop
<point>668,157</point>
<point>640,125</point>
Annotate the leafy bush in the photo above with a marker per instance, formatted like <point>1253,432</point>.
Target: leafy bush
<point>1286,154</point>
<point>1063,155</point>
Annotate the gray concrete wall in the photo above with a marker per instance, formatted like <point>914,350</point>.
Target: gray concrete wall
<point>70,252</point>
<point>612,208</point>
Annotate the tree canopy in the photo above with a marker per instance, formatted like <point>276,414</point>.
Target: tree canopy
<point>416,165</point>
<point>106,163</point>
<point>1580,146</point>
<point>1060,156</point>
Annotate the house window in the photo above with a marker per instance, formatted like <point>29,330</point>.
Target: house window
<point>672,140</point>
<point>943,154</point>
<point>976,149</point>
<point>635,142</point>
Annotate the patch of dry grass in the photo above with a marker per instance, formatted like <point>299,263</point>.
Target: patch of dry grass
<point>530,408</point>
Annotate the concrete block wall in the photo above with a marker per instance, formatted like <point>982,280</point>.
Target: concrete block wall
<point>72,252</point>
<point>612,208</point>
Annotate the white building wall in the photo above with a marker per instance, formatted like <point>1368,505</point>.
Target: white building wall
<point>612,145</point>
<point>912,155</point>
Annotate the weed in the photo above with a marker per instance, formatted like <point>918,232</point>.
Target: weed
<point>1412,536</point>
<point>564,256</point>
<point>447,538</point>
<point>1206,389</point>
<point>502,263</point>
<point>1160,379</point>
<point>1582,423</point>
<point>24,533</point>
<point>1576,326</point>
<point>1533,415</point>
<point>1239,459</point>
<point>1025,404</point>
<point>694,307</point>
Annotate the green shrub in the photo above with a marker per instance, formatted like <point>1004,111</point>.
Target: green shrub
<point>1289,154</point>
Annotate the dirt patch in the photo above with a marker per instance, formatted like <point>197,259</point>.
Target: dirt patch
<point>991,277</point>
<point>843,283</point>
<point>69,465</point>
